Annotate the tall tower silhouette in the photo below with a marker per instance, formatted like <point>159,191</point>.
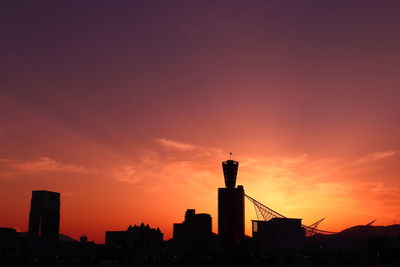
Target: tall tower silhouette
<point>231,205</point>
<point>44,216</point>
<point>230,168</point>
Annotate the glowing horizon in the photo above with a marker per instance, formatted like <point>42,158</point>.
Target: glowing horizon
<point>273,181</point>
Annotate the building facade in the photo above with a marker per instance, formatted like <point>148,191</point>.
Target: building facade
<point>44,216</point>
<point>231,208</point>
<point>194,234</point>
<point>137,239</point>
<point>278,232</point>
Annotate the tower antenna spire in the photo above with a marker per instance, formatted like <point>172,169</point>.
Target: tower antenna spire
<point>230,155</point>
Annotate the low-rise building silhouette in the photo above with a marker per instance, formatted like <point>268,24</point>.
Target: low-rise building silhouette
<point>139,239</point>
<point>278,232</point>
<point>7,235</point>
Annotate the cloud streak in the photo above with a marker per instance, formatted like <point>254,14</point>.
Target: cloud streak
<point>126,174</point>
<point>43,164</point>
<point>176,145</point>
<point>372,157</point>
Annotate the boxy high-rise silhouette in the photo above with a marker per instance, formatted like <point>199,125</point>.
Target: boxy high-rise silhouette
<point>44,216</point>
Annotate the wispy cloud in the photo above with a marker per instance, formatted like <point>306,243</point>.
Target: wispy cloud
<point>375,156</point>
<point>294,185</point>
<point>176,145</point>
<point>185,147</point>
<point>127,174</point>
<point>43,164</point>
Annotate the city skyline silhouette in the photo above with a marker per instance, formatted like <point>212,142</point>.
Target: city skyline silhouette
<point>44,214</point>
<point>274,238</point>
<point>262,212</point>
<point>127,109</point>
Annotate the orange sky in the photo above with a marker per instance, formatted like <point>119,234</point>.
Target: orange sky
<point>128,109</point>
<point>159,184</point>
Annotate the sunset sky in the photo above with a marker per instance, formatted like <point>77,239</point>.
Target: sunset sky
<point>127,108</point>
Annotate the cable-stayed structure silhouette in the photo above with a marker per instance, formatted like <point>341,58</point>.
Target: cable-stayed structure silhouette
<point>311,229</point>
<point>265,213</point>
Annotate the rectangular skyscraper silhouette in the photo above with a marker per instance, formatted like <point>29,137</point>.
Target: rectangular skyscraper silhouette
<point>231,205</point>
<point>44,216</point>
<point>194,235</point>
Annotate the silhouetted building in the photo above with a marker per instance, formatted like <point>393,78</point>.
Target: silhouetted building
<point>139,239</point>
<point>83,239</point>
<point>278,232</point>
<point>194,234</point>
<point>193,224</point>
<point>231,205</point>
<point>7,235</point>
<point>44,216</point>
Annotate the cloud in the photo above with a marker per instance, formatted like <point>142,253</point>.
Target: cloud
<point>176,145</point>
<point>375,156</point>
<point>299,185</point>
<point>184,147</point>
<point>44,164</point>
<point>158,174</point>
<point>126,174</point>
<point>288,174</point>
